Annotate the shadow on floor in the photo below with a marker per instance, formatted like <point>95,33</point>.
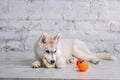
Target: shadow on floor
<point>25,62</point>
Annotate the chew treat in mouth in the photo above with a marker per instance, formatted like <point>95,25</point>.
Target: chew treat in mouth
<point>47,64</point>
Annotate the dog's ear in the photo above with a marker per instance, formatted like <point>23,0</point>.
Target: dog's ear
<point>57,37</point>
<point>43,38</point>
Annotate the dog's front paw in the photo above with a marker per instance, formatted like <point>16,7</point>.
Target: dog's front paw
<point>36,64</point>
<point>60,63</point>
<point>60,66</point>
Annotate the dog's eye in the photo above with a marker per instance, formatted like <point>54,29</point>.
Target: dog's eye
<point>47,51</point>
<point>55,51</point>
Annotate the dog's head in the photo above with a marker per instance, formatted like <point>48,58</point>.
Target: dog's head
<point>49,46</point>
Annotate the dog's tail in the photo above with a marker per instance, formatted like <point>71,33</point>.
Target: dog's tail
<point>105,56</point>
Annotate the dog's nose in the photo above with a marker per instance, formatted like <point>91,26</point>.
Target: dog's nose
<point>52,61</point>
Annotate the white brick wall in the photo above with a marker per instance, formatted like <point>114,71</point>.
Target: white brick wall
<point>97,22</point>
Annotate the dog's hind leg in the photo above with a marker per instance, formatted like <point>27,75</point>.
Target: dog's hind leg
<point>82,55</point>
<point>71,60</point>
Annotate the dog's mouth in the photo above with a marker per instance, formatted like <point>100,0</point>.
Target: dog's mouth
<point>51,62</point>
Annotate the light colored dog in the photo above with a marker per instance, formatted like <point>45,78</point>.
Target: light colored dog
<point>59,51</point>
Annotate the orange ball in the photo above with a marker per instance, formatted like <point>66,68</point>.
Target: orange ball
<point>82,65</point>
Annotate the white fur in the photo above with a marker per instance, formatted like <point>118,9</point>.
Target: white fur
<point>67,48</point>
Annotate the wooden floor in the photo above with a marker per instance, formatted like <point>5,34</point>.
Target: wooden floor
<point>17,66</point>
<point>38,79</point>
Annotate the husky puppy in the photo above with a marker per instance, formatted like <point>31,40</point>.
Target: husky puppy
<point>59,51</point>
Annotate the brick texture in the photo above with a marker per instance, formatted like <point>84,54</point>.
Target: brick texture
<point>96,22</point>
